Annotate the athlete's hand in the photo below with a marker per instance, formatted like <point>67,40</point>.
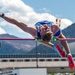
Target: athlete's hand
<point>2,15</point>
<point>58,21</point>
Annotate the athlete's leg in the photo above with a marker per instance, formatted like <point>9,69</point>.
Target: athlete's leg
<point>69,56</point>
<point>64,43</point>
<point>66,46</point>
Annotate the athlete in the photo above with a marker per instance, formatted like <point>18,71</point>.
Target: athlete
<point>45,30</point>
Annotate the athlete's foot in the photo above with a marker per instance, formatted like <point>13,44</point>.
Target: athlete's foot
<point>61,52</point>
<point>71,62</point>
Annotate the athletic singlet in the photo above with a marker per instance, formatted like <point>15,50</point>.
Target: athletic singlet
<point>49,23</point>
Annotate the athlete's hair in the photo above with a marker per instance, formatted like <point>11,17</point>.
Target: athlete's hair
<point>47,37</point>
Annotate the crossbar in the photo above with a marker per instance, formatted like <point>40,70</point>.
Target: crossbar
<point>71,39</point>
<point>35,39</point>
<point>17,39</point>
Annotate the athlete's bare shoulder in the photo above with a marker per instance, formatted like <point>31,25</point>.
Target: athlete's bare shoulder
<point>32,30</point>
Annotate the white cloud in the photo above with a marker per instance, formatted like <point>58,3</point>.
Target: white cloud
<point>2,31</point>
<point>65,23</point>
<point>22,12</point>
<point>45,9</point>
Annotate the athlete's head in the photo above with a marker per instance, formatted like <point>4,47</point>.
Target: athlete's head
<point>47,37</point>
<point>45,33</point>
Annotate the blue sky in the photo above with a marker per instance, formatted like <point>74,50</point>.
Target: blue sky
<point>32,11</point>
<point>58,8</point>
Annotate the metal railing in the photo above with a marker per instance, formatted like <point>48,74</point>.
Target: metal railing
<point>54,55</point>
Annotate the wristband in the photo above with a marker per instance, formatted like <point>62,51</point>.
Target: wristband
<point>2,15</point>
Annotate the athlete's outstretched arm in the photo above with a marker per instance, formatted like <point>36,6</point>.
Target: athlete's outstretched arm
<point>21,25</point>
<point>15,22</point>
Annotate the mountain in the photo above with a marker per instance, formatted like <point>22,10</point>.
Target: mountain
<point>72,47</point>
<point>29,46</point>
<point>15,46</point>
<point>42,49</point>
<point>69,31</point>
